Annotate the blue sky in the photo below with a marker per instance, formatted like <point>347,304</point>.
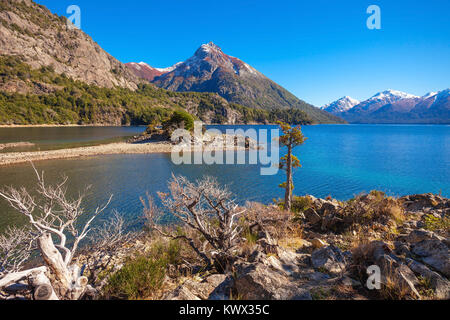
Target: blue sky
<point>319,50</point>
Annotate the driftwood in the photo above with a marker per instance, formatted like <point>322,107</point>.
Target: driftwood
<point>52,217</point>
<point>18,276</point>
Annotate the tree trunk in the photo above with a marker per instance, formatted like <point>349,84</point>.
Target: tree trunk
<point>43,289</point>
<point>16,277</point>
<point>288,195</point>
<point>54,260</point>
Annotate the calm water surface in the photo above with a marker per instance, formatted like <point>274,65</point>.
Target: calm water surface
<point>48,138</point>
<point>338,160</point>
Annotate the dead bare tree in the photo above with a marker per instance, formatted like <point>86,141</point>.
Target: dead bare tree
<point>206,208</point>
<point>16,246</point>
<point>53,217</point>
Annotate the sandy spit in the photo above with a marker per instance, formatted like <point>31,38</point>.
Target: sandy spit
<point>106,149</point>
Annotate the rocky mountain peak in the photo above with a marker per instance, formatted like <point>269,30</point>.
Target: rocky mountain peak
<point>341,105</point>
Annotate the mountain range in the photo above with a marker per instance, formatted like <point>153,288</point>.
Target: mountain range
<point>212,70</point>
<point>393,106</point>
<point>50,73</point>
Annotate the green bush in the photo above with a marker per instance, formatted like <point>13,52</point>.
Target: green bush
<point>301,204</point>
<point>143,275</point>
<point>180,119</point>
<point>433,223</point>
<point>138,278</point>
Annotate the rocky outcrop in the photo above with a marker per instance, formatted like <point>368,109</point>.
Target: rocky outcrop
<point>330,259</point>
<point>41,38</point>
<point>414,263</point>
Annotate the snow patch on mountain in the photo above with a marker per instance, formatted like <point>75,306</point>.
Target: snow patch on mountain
<point>344,104</point>
<point>392,95</point>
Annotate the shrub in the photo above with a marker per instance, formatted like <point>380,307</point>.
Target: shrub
<point>143,275</point>
<point>433,223</point>
<point>180,119</point>
<point>373,207</point>
<point>301,204</point>
<point>139,278</point>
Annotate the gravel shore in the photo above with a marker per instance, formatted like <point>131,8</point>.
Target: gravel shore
<point>107,149</point>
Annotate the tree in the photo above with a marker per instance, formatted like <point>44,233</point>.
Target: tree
<point>292,137</point>
<point>52,217</point>
<point>179,120</point>
<point>205,208</point>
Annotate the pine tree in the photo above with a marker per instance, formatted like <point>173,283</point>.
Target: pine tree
<point>292,137</point>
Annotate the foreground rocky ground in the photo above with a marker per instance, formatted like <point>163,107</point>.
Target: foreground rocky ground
<point>322,251</point>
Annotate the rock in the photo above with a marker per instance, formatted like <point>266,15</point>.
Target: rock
<point>402,249</point>
<point>349,282</point>
<point>267,246</point>
<point>329,207</point>
<point>330,258</point>
<point>421,235</point>
<point>420,201</point>
<point>329,221</point>
<point>260,282</point>
<point>312,216</point>
<point>181,293</point>
<point>214,287</point>
<point>286,263</point>
<point>440,285</point>
<point>434,253</point>
<point>392,271</point>
<point>318,243</point>
<point>17,288</point>
<point>222,287</point>
<point>317,277</point>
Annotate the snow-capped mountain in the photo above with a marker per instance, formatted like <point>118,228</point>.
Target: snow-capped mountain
<point>212,70</point>
<point>393,106</point>
<point>147,72</point>
<point>341,105</point>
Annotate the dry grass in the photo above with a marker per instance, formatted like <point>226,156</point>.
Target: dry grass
<point>278,223</point>
<point>374,207</point>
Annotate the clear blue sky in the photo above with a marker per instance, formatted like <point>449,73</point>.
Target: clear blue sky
<point>320,50</point>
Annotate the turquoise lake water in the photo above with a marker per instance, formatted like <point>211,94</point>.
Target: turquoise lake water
<point>338,160</point>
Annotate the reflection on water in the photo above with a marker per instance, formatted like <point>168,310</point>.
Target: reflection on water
<point>340,161</point>
<point>49,138</point>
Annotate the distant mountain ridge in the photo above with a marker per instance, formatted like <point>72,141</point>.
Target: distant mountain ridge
<point>143,70</point>
<point>211,70</point>
<point>393,106</point>
<point>341,105</point>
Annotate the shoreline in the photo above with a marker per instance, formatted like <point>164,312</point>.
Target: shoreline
<point>12,158</point>
<point>12,126</point>
<point>104,149</point>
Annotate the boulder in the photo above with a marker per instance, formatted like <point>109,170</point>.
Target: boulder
<point>181,293</point>
<point>421,235</point>
<point>440,285</point>
<point>214,287</point>
<point>260,282</point>
<point>434,253</point>
<point>312,216</point>
<point>329,221</point>
<point>330,207</point>
<point>329,258</point>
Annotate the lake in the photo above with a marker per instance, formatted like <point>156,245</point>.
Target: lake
<point>48,138</point>
<point>338,160</point>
